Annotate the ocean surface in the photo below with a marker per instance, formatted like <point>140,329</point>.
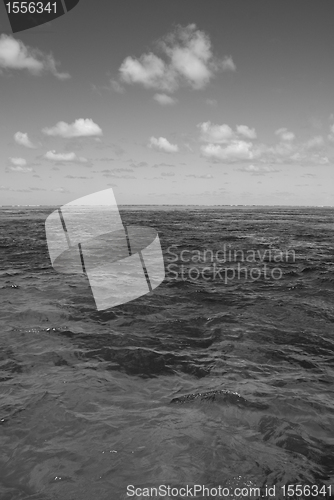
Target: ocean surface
<point>215,378</point>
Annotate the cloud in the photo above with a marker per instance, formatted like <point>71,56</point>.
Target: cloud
<point>315,142</point>
<point>156,165</point>
<point>22,170</point>
<point>167,174</point>
<point>247,132</point>
<point>163,144</point>
<point>331,134</point>
<point>207,176</point>
<point>122,169</point>
<point>226,145</point>
<point>77,177</point>
<point>190,61</point>
<point>23,139</point>
<point>285,135</point>
<point>110,173</point>
<point>15,55</point>
<point>80,128</point>
<point>64,157</point>
<point>139,164</point>
<point>18,161</point>
<point>258,169</point>
<point>215,133</point>
<point>149,71</point>
<point>164,99</point>
<point>228,64</point>
<point>235,150</point>
<point>220,134</point>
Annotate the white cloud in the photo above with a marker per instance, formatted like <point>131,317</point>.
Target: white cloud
<point>190,61</point>
<point>23,139</point>
<point>228,64</point>
<point>247,132</point>
<point>315,142</point>
<point>235,150</point>
<point>18,161</point>
<point>164,99</point>
<point>64,157</point>
<point>215,133</point>
<point>331,135</point>
<point>150,71</point>
<point>23,170</point>
<point>80,128</point>
<point>220,134</point>
<point>15,55</point>
<point>258,169</point>
<point>226,145</point>
<point>163,144</point>
<point>285,135</point>
<point>207,176</point>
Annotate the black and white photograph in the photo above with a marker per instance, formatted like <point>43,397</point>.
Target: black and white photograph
<point>166,249</point>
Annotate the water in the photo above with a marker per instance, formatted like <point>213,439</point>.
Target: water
<point>86,397</point>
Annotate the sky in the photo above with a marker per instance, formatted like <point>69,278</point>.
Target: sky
<point>170,102</point>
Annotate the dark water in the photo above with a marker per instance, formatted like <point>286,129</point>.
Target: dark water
<point>86,397</point>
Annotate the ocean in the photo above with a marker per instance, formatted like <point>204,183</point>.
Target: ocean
<point>222,377</point>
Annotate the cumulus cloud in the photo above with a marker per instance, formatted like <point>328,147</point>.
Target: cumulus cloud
<point>331,134</point>
<point>259,169</point>
<point>163,144</point>
<point>80,128</point>
<point>190,61</point>
<point>150,71</point>
<point>227,145</point>
<point>23,139</point>
<point>285,135</point>
<point>21,169</point>
<point>247,132</point>
<point>64,157</point>
<point>315,142</point>
<point>228,64</point>
<point>224,144</point>
<point>14,55</point>
<point>164,99</point>
<point>18,161</point>
<point>222,134</point>
<point>215,133</point>
<point>235,150</point>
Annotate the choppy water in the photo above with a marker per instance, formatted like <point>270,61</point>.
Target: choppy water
<point>85,405</point>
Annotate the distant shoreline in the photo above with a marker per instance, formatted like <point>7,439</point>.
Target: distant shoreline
<point>181,207</point>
